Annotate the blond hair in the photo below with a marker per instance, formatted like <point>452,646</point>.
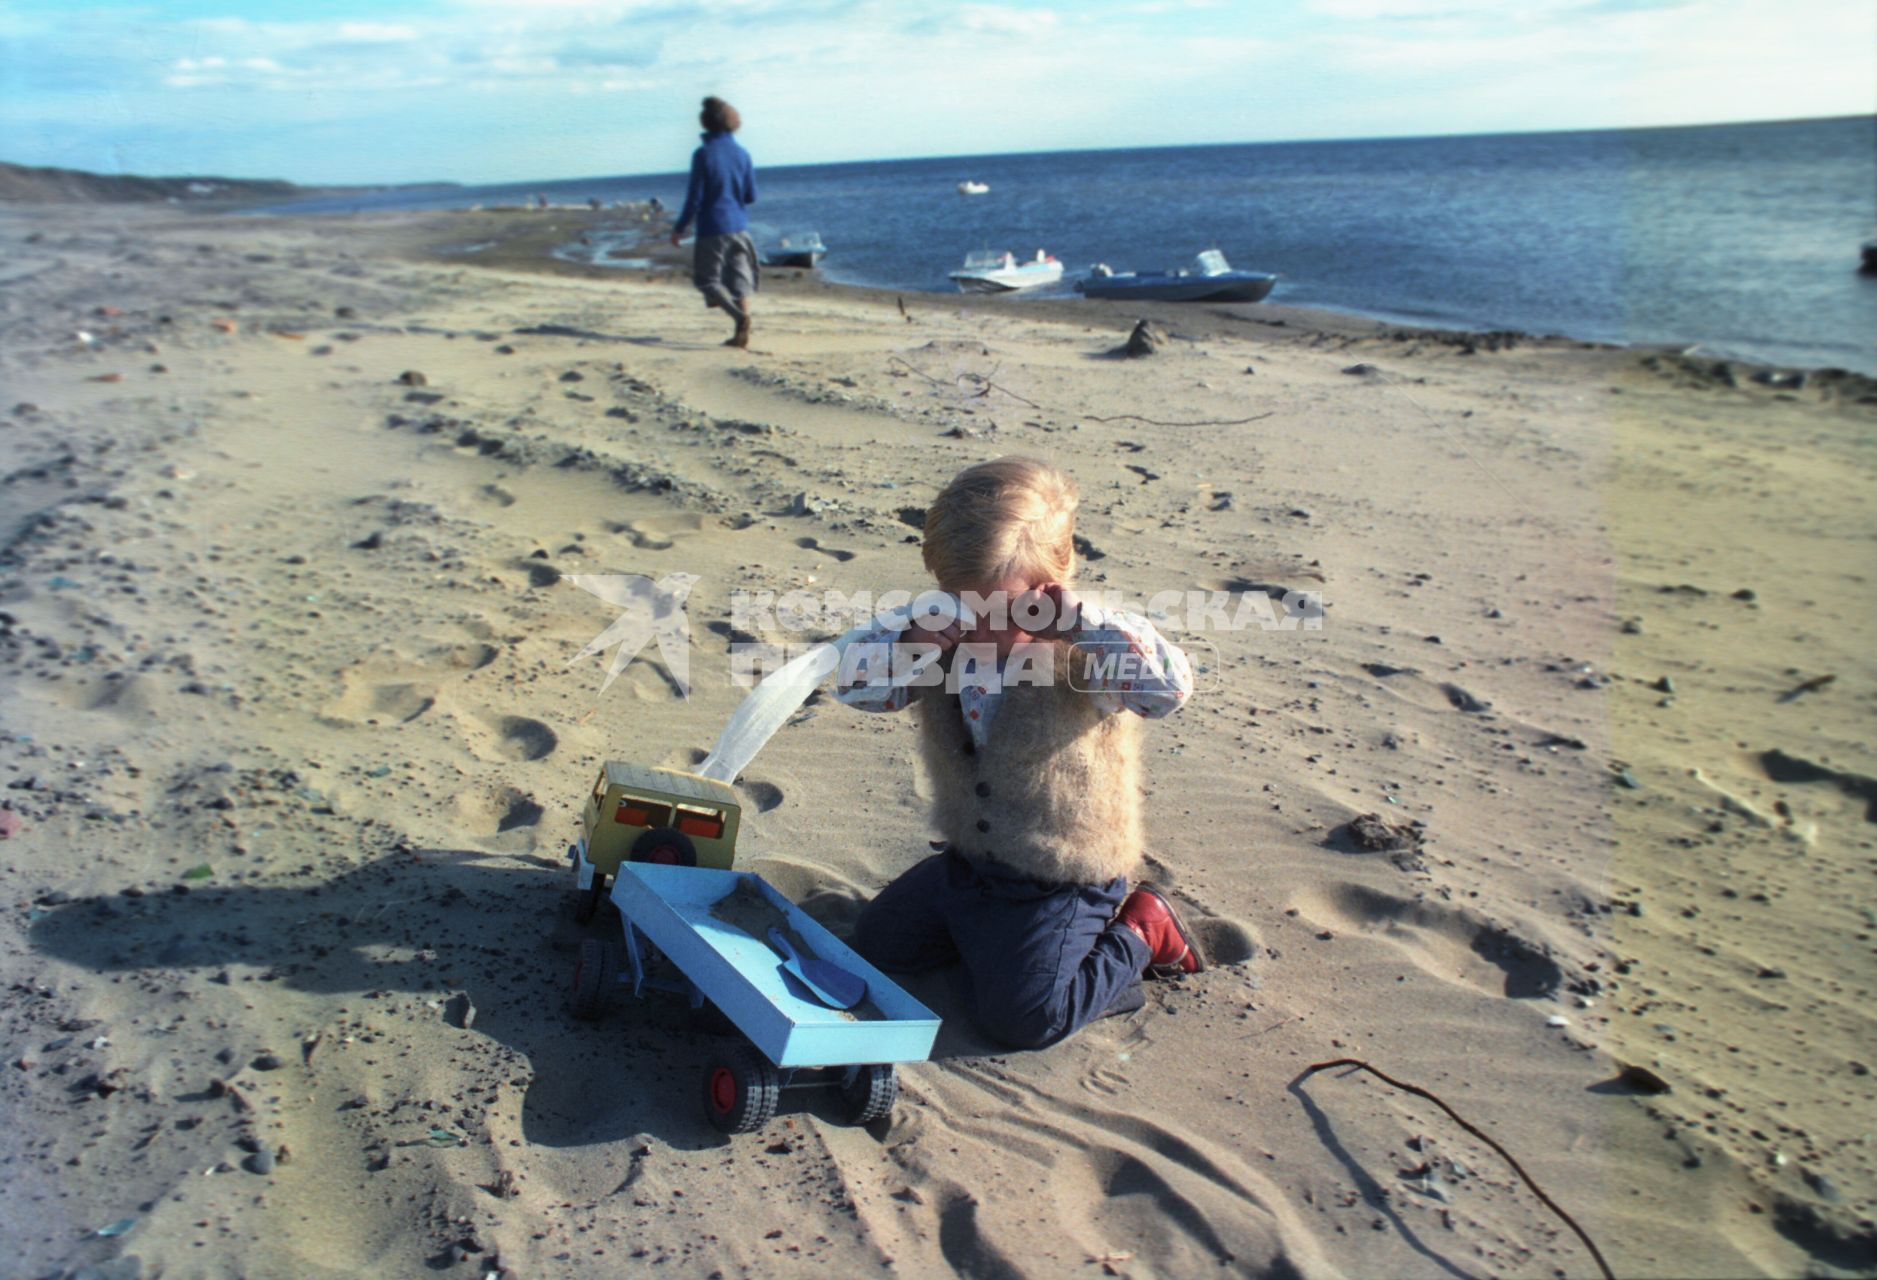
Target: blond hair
<point>1001,519</point>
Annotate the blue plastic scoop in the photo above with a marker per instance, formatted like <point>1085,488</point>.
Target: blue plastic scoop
<point>828,983</point>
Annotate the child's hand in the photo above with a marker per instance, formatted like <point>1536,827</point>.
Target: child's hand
<point>946,637</point>
<point>1063,608</point>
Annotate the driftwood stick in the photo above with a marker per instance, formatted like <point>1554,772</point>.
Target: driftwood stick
<point>1810,686</point>
<point>1209,422</point>
<point>904,364</point>
<point>990,386</point>
<point>1419,1092</point>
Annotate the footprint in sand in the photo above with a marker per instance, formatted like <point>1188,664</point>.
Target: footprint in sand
<point>465,657</point>
<point>765,795</point>
<point>131,696</point>
<point>397,690</point>
<point>365,701</point>
<point>1446,942</point>
<point>1241,585</point>
<point>1224,941</point>
<point>540,573</point>
<point>718,626</point>
<point>521,811</point>
<point>497,810</point>
<point>519,738</point>
<point>643,539</point>
<point>659,534</point>
<point>811,544</point>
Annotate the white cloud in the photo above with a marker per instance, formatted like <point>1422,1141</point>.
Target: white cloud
<point>378,32</point>
<point>1613,62</point>
<point>987,19</point>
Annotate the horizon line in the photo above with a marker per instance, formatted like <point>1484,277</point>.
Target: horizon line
<point>1197,146</point>
<point>977,155</point>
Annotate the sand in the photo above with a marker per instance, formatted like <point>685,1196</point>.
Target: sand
<point>293,744</point>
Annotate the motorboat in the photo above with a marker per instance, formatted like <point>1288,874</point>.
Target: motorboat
<point>1210,279</point>
<point>797,249</point>
<point>987,271</point>
<point>970,188</point>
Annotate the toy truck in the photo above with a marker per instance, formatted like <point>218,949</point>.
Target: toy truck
<point>694,926</point>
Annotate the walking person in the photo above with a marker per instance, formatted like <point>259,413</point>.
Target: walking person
<point>723,184</point>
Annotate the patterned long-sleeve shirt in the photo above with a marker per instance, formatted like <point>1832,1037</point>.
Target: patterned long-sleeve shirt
<point>1126,665</point>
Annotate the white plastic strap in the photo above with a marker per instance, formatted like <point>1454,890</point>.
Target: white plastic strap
<point>781,693</point>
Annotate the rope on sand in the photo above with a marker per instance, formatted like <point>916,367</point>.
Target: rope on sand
<point>1419,1092</point>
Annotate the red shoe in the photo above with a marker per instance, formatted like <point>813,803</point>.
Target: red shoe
<point>1154,921</point>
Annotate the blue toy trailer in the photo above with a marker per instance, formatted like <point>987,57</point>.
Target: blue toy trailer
<point>708,924</point>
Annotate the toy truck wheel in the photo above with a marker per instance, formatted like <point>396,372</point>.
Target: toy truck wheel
<point>741,1090</point>
<point>870,1093</point>
<point>587,902</point>
<point>665,845</point>
<point>594,975</point>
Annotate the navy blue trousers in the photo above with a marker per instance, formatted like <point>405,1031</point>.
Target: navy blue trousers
<point>1043,960</point>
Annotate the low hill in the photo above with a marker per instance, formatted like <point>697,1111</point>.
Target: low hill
<point>20,184</point>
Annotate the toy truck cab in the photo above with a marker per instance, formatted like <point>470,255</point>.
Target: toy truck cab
<point>635,813</point>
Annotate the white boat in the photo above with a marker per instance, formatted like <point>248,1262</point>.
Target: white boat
<point>797,249</point>
<point>970,188</point>
<point>987,271</point>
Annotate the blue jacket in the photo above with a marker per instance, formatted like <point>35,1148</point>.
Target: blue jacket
<point>722,181</point>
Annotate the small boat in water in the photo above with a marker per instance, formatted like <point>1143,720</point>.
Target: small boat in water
<point>797,249</point>
<point>990,272</point>
<point>1210,279</point>
<point>970,188</point>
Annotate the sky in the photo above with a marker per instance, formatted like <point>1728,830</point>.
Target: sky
<point>485,91</point>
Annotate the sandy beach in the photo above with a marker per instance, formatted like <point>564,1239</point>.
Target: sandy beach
<point>293,743</point>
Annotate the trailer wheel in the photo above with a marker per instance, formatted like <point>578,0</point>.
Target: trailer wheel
<point>587,902</point>
<point>741,1090</point>
<point>870,1093</point>
<point>595,973</point>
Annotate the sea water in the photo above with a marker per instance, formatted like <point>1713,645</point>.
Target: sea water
<point>1741,240</point>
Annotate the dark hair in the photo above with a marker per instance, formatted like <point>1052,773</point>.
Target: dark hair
<point>719,116</point>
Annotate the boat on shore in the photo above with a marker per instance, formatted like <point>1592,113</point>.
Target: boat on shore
<point>970,188</point>
<point>987,271</point>
<point>797,249</point>
<point>1210,279</point>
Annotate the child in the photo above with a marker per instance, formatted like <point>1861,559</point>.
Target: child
<point>1034,757</point>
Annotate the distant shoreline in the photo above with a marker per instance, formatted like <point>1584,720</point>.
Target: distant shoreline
<point>29,185</point>
<point>529,246</point>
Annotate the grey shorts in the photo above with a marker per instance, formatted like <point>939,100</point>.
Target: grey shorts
<point>724,268</point>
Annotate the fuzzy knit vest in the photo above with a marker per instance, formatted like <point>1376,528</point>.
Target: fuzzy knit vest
<point>1053,794</point>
